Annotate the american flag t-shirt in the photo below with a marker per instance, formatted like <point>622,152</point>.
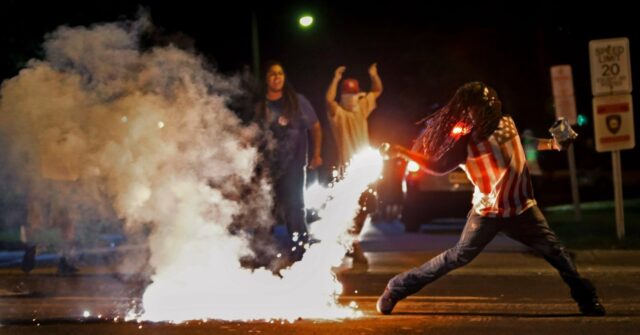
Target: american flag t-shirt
<point>498,169</point>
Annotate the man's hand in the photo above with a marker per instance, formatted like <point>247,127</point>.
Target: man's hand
<point>384,150</point>
<point>388,151</point>
<point>384,147</point>
<point>339,71</point>
<point>373,70</point>
<point>376,83</point>
<point>315,162</point>
<point>545,144</point>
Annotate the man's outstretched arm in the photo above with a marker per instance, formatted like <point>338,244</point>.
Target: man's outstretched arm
<point>447,163</point>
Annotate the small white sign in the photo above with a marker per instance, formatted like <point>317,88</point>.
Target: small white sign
<point>562,85</point>
<point>562,81</point>
<point>610,66</point>
<point>613,122</point>
<point>565,107</point>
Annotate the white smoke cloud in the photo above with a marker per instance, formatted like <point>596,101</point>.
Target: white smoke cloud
<point>149,128</point>
<point>148,131</point>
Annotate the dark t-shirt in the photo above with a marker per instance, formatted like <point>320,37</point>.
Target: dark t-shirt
<point>291,135</point>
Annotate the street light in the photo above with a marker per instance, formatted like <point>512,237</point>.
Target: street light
<point>306,21</point>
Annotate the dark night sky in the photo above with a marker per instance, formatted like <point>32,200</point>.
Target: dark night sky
<point>423,54</point>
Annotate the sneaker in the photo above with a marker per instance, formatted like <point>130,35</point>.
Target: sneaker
<point>66,268</point>
<point>386,302</point>
<point>29,259</point>
<point>592,307</point>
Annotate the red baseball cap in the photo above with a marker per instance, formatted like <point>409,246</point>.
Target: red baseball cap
<point>350,86</point>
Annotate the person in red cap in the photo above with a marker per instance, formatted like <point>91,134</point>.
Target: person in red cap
<point>348,120</point>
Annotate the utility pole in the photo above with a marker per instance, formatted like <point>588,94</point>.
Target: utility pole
<point>255,44</point>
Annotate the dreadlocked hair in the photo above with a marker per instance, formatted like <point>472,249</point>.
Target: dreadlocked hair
<point>290,98</point>
<point>438,135</point>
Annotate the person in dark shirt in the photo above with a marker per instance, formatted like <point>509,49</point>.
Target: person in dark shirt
<point>288,118</point>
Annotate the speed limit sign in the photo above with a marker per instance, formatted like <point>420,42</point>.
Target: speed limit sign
<point>612,108</point>
<point>610,67</point>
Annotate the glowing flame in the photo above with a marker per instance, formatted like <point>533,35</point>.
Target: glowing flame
<point>460,129</point>
<point>208,283</point>
<point>316,196</point>
<point>338,212</point>
<point>413,167</point>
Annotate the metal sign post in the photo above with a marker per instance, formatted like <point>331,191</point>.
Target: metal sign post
<point>565,106</point>
<point>612,108</point>
<point>617,191</point>
<point>613,123</point>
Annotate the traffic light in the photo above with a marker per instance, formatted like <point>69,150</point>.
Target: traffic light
<point>582,120</point>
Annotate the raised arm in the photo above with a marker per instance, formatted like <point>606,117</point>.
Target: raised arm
<point>376,83</point>
<point>332,105</point>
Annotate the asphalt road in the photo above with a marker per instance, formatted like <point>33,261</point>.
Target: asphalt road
<point>481,304</point>
<point>505,290</point>
<point>501,292</point>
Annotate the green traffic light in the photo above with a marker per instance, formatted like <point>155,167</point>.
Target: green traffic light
<point>581,120</point>
<point>306,21</point>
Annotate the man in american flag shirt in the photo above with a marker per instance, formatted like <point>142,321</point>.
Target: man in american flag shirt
<point>471,132</point>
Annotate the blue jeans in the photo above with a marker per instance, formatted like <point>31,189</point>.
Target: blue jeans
<point>529,228</point>
<point>289,206</point>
